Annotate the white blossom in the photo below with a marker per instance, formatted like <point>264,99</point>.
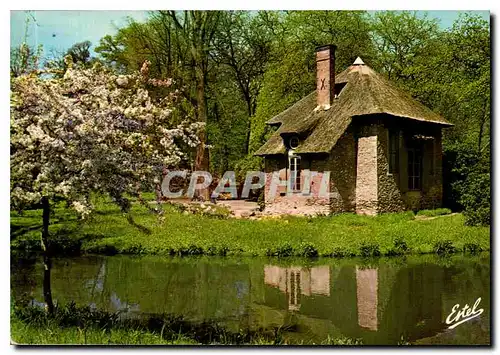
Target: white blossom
<point>91,131</point>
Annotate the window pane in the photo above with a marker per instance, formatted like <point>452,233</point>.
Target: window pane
<point>414,167</point>
<point>393,151</point>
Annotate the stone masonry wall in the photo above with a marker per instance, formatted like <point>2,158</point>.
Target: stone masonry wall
<point>390,198</point>
<point>367,179</point>
<point>342,164</point>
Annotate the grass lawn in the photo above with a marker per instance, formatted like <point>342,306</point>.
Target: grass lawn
<point>108,231</point>
<point>25,334</point>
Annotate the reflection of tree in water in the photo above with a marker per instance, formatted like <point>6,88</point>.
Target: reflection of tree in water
<point>96,289</point>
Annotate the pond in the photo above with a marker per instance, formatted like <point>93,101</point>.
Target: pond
<point>380,301</point>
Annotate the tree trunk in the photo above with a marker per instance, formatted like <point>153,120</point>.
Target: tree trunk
<point>47,263</point>
<point>247,138</point>
<point>481,130</point>
<point>201,161</point>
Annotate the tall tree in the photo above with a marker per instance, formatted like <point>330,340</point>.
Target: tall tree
<point>401,37</point>
<point>178,44</point>
<point>79,53</point>
<point>243,44</point>
<point>195,32</point>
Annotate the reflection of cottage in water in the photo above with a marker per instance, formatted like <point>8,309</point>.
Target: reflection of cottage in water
<point>379,305</point>
<point>367,297</point>
<point>297,281</point>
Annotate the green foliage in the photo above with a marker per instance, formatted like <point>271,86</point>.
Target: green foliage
<point>203,209</point>
<point>400,248</point>
<point>75,325</point>
<point>444,247</point>
<point>472,248</point>
<point>468,182</point>
<point>476,198</point>
<point>401,38</point>
<point>342,341</point>
<point>338,252</point>
<point>308,250</point>
<point>282,250</point>
<point>369,249</point>
<point>434,213</point>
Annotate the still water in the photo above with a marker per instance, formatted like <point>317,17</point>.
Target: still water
<point>380,301</point>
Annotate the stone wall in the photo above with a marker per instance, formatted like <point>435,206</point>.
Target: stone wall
<point>366,181</point>
<point>342,164</point>
<point>390,198</point>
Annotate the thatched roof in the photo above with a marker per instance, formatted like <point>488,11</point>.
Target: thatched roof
<point>365,93</point>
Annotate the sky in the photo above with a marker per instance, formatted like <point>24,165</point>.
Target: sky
<point>59,30</point>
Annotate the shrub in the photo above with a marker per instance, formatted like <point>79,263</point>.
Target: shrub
<point>211,250</point>
<point>106,249</point>
<point>400,247</point>
<point>367,250</point>
<point>281,251</point>
<point>472,248</point>
<point>476,199</point>
<point>308,250</point>
<point>467,182</point>
<point>191,250</point>
<point>444,247</point>
<point>338,252</point>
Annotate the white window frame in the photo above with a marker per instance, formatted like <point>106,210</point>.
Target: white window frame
<point>294,166</point>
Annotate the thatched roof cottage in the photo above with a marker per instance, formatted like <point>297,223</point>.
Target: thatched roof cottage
<point>382,147</point>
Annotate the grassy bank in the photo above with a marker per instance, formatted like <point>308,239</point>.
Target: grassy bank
<point>71,324</point>
<point>26,334</point>
<point>108,231</point>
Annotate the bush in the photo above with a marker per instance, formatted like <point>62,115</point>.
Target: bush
<point>467,183</point>
<point>281,251</point>
<point>308,250</point>
<point>444,247</point>
<point>367,250</point>
<point>338,252</point>
<point>472,248</point>
<point>476,199</point>
<point>400,248</point>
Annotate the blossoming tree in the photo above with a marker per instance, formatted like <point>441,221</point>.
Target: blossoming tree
<point>91,131</point>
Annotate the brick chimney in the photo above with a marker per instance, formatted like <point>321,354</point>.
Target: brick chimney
<point>325,75</point>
